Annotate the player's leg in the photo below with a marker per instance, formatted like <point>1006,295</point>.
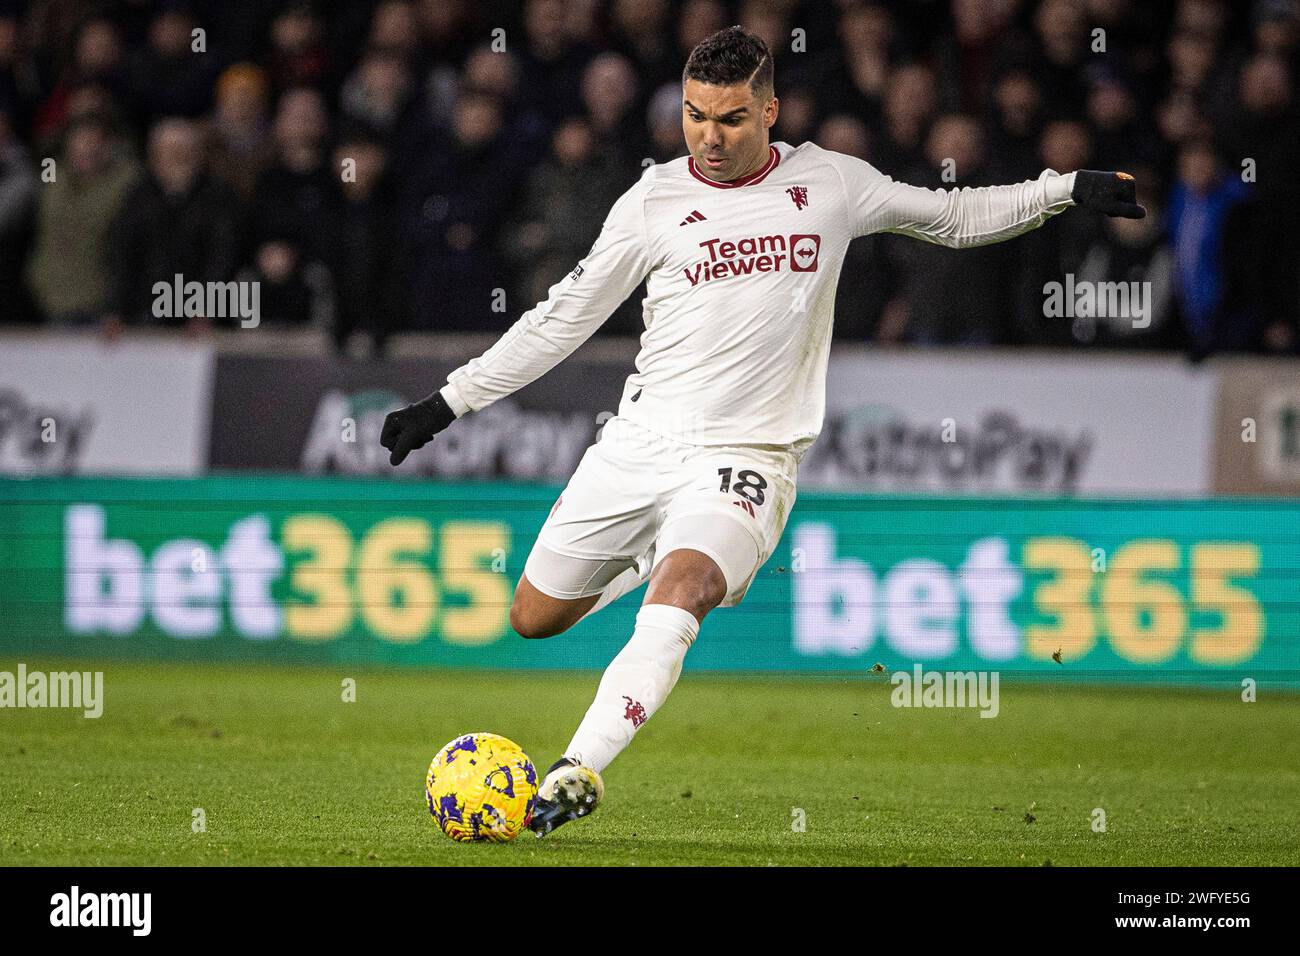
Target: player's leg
<point>705,558</point>
<point>715,537</point>
<point>594,546</point>
<point>556,591</point>
<point>684,587</point>
<point>567,589</point>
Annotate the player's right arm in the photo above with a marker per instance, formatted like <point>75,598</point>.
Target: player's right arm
<point>544,336</point>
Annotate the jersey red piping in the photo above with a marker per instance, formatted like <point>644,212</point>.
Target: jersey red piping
<point>751,180</point>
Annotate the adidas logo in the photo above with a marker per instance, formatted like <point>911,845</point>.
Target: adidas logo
<point>695,216</point>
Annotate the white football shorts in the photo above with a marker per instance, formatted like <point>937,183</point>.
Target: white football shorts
<point>637,495</point>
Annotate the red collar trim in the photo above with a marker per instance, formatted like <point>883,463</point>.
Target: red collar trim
<point>751,180</point>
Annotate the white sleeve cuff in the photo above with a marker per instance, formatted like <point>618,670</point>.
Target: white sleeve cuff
<point>451,394</point>
<point>1058,187</point>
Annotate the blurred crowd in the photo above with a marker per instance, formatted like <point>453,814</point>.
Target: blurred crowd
<point>392,165</point>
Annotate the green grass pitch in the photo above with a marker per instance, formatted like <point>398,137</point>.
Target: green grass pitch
<point>287,773</point>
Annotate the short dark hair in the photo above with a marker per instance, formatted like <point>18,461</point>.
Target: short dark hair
<point>731,56</point>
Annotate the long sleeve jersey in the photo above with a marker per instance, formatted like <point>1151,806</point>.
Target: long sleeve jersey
<point>740,288</point>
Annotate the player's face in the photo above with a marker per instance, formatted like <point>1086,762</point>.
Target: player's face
<point>726,128</point>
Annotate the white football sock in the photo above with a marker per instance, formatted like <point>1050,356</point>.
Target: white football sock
<point>635,684</point>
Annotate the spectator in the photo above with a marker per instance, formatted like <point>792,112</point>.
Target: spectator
<point>796,121</point>
<point>983,35</point>
<point>17,202</point>
<point>1200,208</point>
<point>1015,127</point>
<point>67,272</point>
<point>770,21</point>
<point>552,62</point>
<point>455,209</point>
<point>97,59</point>
<point>494,72</point>
<point>910,102</point>
<point>562,210</point>
<point>9,46</point>
<point>1206,17</point>
<point>867,281</point>
<point>1119,135</point>
<point>19,78</point>
<point>1263,137</point>
<point>609,95</point>
<point>1191,61</point>
<point>298,55</point>
<point>697,20</point>
<point>167,77</point>
<point>239,142</point>
<point>461,120</point>
<point>445,39</point>
<point>178,220</point>
<point>858,77</point>
<point>377,92</point>
<point>1276,29</point>
<point>365,263</point>
<point>1056,250</point>
<point>956,296</point>
<point>1066,146</point>
<point>296,196</point>
<point>640,31</point>
<point>846,134</point>
<point>1063,44</point>
<point>664,120</point>
<point>292,289</point>
<point>1133,251</point>
<point>498,73</point>
<point>89,99</point>
<point>394,29</point>
<point>446,33</point>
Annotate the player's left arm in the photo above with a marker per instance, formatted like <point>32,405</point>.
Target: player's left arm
<point>978,215</point>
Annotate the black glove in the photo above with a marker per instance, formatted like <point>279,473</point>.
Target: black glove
<point>414,426</point>
<point>1115,194</point>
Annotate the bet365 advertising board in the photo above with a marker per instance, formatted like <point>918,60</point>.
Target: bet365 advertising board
<point>416,573</point>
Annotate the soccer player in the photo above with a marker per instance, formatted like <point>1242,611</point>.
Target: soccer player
<point>690,485</point>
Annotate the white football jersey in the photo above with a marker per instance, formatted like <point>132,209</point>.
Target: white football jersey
<point>740,288</point>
